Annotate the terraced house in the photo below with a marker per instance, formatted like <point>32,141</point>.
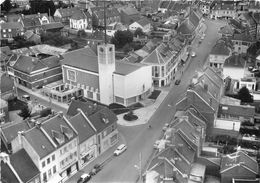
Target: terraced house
<point>81,20</point>
<point>33,72</point>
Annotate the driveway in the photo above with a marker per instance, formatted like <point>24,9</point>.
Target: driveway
<point>140,138</point>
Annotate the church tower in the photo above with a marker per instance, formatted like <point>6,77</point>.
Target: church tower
<point>106,68</point>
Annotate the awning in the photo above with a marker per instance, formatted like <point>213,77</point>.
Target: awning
<point>56,178</point>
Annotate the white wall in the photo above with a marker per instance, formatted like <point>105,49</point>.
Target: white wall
<point>227,124</point>
<point>234,73</point>
<point>119,85</point>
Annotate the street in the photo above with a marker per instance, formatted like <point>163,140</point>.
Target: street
<point>140,139</point>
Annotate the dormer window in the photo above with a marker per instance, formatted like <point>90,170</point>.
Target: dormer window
<point>67,132</point>
<point>104,118</point>
<point>58,137</point>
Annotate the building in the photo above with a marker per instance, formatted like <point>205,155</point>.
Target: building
<point>254,6</point>
<point>87,138</point>
<point>7,88</point>
<point>52,144</point>
<point>64,15</point>
<point>4,115</point>
<point>250,20</point>
<point>129,15</point>
<point>218,54</point>
<point>5,54</point>
<point>97,13</point>
<point>238,166</point>
<point>205,7</point>
<point>223,9</point>
<point>33,72</point>
<point>9,30</point>
<point>53,27</point>
<point>18,168</point>
<point>105,80</point>
<point>81,20</point>
<point>227,31</point>
<point>113,27</point>
<point>165,60</point>
<point>143,24</point>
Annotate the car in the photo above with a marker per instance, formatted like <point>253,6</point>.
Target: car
<point>193,54</point>
<point>84,178</point>
<point>26,98</point>
<point>95,169</point>
<point>120,149</point>
<point>177,82</point>
<point>166,125</point>
<point>250,68</point>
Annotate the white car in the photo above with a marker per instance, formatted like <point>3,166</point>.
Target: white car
<point>120,149</point>
<point>193,54</point>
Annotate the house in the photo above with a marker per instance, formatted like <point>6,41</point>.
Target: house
<point>81,20</point>
<point>250,20</point>
<point>129,15</point>
<point>63,15</point>
<point>7,87</point>
<point>237,25</point>
<point>218,54</point>
<point>226,31</point>
<point>97,13</point>
<point>9,30</point>
<point>87,138</point>
<point>177,7</point>
<point>5,54</point>
<point>4,115</point>
<point>33,72</point>
<point>256,17</point>
<point>223,9</point>
<point>33,22</point>
<point>143,24</point>
<point>105,123</point>
<point>105,80</point>
<point>254,6</point>
<point>32,37</point>
<point>165,59</point>
<point>238,165</point>
<point>113,27</point>
<point>52,27</point>
<point>204,95</point>
<point>52,144</point>
<point>19,168</point>
<point>235,68</point>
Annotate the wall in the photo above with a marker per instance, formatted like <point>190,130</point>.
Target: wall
<point>234,73</point>
<point>87,147</point>
<point>119,85</point>
<point>227,124</point>
<point>238,172</point>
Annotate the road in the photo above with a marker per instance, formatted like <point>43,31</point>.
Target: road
<point>140,139</point>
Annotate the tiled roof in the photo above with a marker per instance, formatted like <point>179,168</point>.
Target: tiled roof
<point>186,28</point>
<point>68,12</point>
<point>5,53</point>
<point>239,159</point>
<point>78,15</point>
<point>215,75</point>
<point>154,58</point>
<point>11,25</point>
<point>226,30</point>
<point>254,5</point>
<point>10,132</point>
<point>24,165</point>
<point>7,84</point>
<point>88,108</point>
<point>52,61</point>
<point>194,18</point>
<point>125,68</point>
<point>53,25</point>
<point>82,126</point>
<point>143,22</point>
<point>102,119</point>
<point>220,48</point>
<point>234,110</point>
<point>110,12</point>
<point>195,118</point>
<point>237,25</point>
<point>224,5</point>
<point>235,61</point>
<point>130,11</point>
<point>246,37</point>
<point>256,17</point>
<point>83,58</point>
<point>7,174</point>
<point>31,20</point>
<point>164,4</point>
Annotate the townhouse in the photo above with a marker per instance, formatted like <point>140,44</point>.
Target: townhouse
<point>218,54</point>
<point>64,15</point>
<point>7,88</point>
<point>223,9</point>
<point>33,72</point>
<point>52,144</point>
<point>251,21</point>
<point>129,15</point>
<point>165,59</point>
<point>81,19</point>
<point>9,30</point>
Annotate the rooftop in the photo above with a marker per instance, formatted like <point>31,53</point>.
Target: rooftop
<point>7,174</point>
<point>7,84</point>
<point>220,48</point>
<point>235,61</point>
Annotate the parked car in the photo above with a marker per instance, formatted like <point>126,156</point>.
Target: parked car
<point>95,170</point>
<point>177,82</point>
<point>84,178</point>
<point>120,149</point>
<point>193,54</point>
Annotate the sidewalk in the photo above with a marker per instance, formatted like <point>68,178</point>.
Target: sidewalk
<point>39,95</point>
<point>144,114</point>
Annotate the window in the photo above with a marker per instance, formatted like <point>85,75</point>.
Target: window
<point>48,161</point>
<point>61,152</point>
<point>9,30</point>
<point>71,156</point>
<point>71,75</point>
<point>49,173</point>
<point>75,153</point>
<point>54,169</point>
<point>44,176</point>
<point>4,35</point>
<point>53,157</point>
<point>65,149</point>
<point>70,145</point>
<point>43,164</point>
<point>4,30</point>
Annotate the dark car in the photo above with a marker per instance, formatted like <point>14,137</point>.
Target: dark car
<point>84,178</point>
<point>177,82</point>
<point>96,169</point>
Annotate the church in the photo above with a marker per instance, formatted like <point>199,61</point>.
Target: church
<point>105,80</point>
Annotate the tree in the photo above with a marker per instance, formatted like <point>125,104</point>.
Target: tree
<point>254,50</point>
<point>121,38</point>
<point>7,6</point>
<point>40,6</point>
<point>245,96</point>
<point>25,112</point>
<point>139,32</point>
